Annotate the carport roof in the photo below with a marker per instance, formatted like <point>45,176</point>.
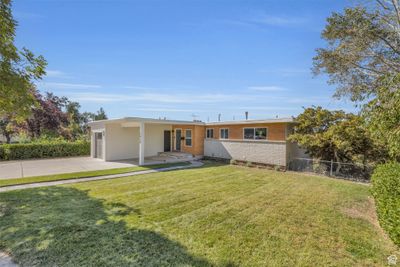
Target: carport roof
<point>146,120</point>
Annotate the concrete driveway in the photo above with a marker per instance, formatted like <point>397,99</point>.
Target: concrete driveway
<point>26,168</point>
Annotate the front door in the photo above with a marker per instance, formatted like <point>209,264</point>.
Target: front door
<point>178,136</point>
<point>167,141</point>
<point>98,141</point>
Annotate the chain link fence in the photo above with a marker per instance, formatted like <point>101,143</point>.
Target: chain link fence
<point>348,171</point>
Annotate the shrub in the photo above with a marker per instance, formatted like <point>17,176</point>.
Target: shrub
<point>233,162</point>
<point>386,191</point>
<point>44,150</point>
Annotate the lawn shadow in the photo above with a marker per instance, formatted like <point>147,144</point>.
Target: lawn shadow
<point>60,226</point>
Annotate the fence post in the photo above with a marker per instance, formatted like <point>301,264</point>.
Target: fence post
<point>331,170</point>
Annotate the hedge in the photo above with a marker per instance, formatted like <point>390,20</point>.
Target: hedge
<point>386,191</point>
<point>44,150</point>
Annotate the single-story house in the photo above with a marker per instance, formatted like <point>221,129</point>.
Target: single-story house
<point>261,141</point>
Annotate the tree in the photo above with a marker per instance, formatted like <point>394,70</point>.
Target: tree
<point>363,46</point>
<point>48,117</point>
<point>382,115</point>
<point>18,69</point>
<point>100,115</point>
<point>8,128</point>
<point>336,135</point>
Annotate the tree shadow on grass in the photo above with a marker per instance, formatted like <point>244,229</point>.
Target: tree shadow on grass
<point>58,226</point>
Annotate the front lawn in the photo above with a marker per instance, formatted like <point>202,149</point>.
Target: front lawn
<point>76,175</point>
<point>213,215</point>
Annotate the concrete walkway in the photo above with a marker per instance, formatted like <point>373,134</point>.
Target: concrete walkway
<point>40,167</point>
<point>95,178</point>
<point>6,261</point>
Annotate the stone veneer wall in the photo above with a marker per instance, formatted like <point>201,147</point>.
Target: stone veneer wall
<point>268,152</point>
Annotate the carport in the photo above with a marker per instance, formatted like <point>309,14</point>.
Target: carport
<point>131,138</point>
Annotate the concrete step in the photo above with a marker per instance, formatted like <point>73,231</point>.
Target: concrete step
<point>177,155</point>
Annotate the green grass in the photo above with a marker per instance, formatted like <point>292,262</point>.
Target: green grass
<point>215,215</point>
<point>76,175</point>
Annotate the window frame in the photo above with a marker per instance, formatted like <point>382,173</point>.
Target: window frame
<point>254,133</point>
<point>191,137</point>
<point>212,129</point>
<point>227,133</point>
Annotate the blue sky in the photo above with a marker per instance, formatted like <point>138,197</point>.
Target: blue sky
<point>176,59</point>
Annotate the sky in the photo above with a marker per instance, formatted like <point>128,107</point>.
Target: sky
<point>181,59</point>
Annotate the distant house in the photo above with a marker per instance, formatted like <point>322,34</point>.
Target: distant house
<point>261,141</point>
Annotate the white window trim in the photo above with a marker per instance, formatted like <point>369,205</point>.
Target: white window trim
<point>191,137</point>
<point>254,138</point>
<point>220,135</point>
<point>207,131</point>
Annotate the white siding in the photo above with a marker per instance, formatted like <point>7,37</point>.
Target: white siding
<point>121,142</point>
<point>268,152</point>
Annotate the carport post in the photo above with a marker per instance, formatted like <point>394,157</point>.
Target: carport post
<point>141,145</point>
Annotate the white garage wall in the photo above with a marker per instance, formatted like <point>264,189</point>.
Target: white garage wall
<point>267,152</point>
<point>121,142</point>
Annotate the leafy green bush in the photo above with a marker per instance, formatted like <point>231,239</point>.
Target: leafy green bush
<point>386,191</point>
<point>44,150</point>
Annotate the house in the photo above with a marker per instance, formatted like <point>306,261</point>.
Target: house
<point>261,141</point>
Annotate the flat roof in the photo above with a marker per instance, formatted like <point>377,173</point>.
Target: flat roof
<point>162,121</point>
<point>280,120</point>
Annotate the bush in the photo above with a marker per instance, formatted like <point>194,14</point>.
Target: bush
<point>44,150</point>
<point>386,191</point>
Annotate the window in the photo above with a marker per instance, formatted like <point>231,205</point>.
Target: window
<point>210,133</point>
<point>255,133</point>
<point>188,137</point>
<point>224,134</point>
<point>248,133</point>
<point>261,133</point>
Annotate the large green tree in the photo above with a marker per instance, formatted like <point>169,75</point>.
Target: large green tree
<point>337,136</point>
<point>18,69</point>
<point>363,45</point>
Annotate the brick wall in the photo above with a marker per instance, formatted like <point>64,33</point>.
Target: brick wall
<point>198,131</point>
<point>268,152</point>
